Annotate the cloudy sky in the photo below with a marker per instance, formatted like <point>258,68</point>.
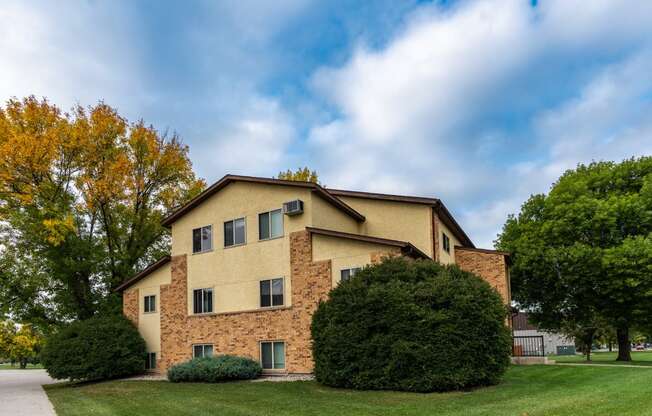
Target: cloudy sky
<point>479,103</point>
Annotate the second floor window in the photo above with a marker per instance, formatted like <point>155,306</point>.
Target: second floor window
<point>270,224</point>
<point>446,243</point>
<point>346,274</point>
<point>234,232</point>
<point>150,303</point>
<point>271,293</point>
<point>202,239</point>
<point>202,300</point>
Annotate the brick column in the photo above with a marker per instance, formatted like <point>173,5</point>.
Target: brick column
<point>490,265</point>
<point>240,333</point>
<point>130,306</point>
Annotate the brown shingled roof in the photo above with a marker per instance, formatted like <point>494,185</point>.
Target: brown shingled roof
<point>406,247</point>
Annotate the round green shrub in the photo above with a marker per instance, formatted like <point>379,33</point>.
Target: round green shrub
<point>412,326</point>
<point>215,369</point>
<point>95,349</point>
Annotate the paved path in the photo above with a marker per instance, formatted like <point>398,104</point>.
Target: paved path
<point>605,365</point>
<point>21,393</point>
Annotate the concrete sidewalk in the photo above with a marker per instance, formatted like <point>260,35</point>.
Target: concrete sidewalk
<point>21,393</point>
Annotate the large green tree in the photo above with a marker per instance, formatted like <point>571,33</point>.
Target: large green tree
<point>82,196</point>
<point>583,252</point>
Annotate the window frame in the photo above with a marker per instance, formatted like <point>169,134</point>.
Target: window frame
<point>269,224</point>
<point>271,292</point>
<point>203,289</point>
<point>350,269</point>
<point>272,342</point>
<point>203,350</point>
<point>446,243</point>
<point>244,219</point>
<point>149,366</point>
<point>202,249</point>
<point>146,304</point>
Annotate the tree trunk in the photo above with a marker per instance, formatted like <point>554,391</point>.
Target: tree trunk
<point>23,364</point>
<point>624,347</point>
<point>610,346</point>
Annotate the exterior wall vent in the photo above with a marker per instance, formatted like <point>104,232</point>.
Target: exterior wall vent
<point>293,207</point>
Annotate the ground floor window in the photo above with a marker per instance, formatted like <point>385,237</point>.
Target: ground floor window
<point>272,355</point>
<point>346,274</point>
<point>150,363</point>
<point>202,350</point>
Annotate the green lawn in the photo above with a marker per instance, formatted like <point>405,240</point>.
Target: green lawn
<point>17,367</point>
<point>642,358</point>
<point>526,390</point>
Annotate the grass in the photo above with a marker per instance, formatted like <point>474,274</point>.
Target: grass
<point>7,366</point>
<point>526,390</point>
<point>641,358</point>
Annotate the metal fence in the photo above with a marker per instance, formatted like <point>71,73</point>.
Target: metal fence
<point>528,346</point>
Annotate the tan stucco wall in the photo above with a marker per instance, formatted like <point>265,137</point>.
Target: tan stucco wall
<point>444,257</point>
<point>395,220</point>
<point>344,254</point>
<point>325,215</point>
<point>149,324</point>
<point>234,273</point>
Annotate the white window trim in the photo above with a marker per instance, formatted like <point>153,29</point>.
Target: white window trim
<point>271,296</point>
<point>270,225</point>
<point>245,232</point>
<point>212,288</point>
<point>285,348</point>
<point>204,345</point>
<point>212,240</point>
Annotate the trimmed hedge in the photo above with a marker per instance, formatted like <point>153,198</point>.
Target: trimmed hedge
<point>412,326</point>
<point>215,369</point>
<point>95,349</point>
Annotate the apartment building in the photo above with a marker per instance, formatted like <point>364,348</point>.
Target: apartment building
<point>251,258</point>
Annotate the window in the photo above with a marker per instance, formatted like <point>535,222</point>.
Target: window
<point>202,300</point>
<point>150,303</point>
<point>272,355</point>
<point>234,232</point>
<point>271,292</point>
<point>150,363</point>
<point>446,243</point>
<point>202,239</point>
<point>202,350</point>
<point>270,224</point>
<point>346,274</point>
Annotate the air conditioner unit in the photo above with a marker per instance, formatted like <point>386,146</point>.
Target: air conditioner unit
<point>293,207</point>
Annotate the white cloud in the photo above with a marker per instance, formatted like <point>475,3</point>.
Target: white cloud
<point>411,117</point>
<point>254,143</point>
<point>69,52</point>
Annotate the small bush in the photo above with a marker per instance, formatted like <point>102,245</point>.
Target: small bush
<point>95,349</point>
<point>215,369</point>
<point>413,326</point>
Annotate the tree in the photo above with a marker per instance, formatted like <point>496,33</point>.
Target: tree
<point>301,174</point>
<point>20,345</point>
<point>82,196</point>
<point>411,325</point>
<point>584,251</point>
<point>101,347</point>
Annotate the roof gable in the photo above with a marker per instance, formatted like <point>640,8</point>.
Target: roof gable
<point>226,180</point>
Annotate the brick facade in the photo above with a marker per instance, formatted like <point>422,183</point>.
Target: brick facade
<point>490,265</point>
<point>241,332</point>
<point>130,305</point>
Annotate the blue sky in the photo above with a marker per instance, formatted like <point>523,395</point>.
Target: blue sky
<point>479,103</point>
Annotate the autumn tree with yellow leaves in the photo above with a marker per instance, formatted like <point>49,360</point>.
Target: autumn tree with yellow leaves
<point>82,196</point>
